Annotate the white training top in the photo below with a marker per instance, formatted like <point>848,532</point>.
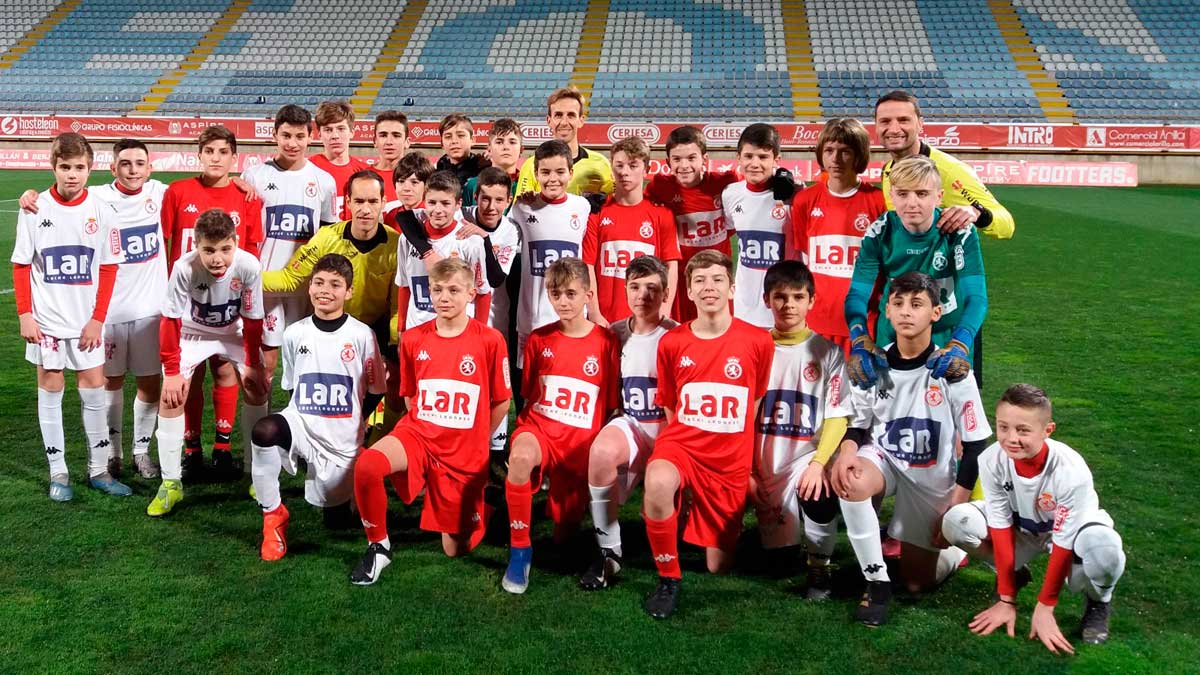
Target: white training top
<point>549,231</point>
<point>142,278</point>
<point>761,222</point>
<point>295,203</point>
<point>412,274</point>
<point>213,306</point>
<point>639,373</point>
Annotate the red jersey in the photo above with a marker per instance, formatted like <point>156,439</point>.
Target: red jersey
<point>341,174</point>
<point>571,384</point>
<point>453,383</point>
<point>389,186</point>
<point>615,236</point>
<point>827,230</point>
<point>713,386</point>
<point>699,220</point>
<point>186,199</point>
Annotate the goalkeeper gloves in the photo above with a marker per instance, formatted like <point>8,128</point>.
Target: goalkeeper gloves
<point>867,361</point>
<point>952,361</point>
<point>783,185</point>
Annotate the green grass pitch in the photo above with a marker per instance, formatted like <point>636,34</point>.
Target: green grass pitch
<point>1096,299</point>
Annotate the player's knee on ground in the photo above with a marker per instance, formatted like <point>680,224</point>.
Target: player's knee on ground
<point>272,430</point>
<point>821,510</point>
<point>1103,556</point>
<point>965,527</point>
<point>456,545</point>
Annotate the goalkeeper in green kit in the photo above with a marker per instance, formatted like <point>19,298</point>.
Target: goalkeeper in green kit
<point>905,240</point>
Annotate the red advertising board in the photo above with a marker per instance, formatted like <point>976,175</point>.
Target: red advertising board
<point>967,136</point>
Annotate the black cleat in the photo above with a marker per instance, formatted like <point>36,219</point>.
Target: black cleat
<point>820,582</point>
<point>223,467</point>
<point>1094,624</point>
<point>663,602</point>
<point>193,466</point>
<point>340,517</point>
<point>603,571</point>
<point>369,568</point>
<point>872,609</point>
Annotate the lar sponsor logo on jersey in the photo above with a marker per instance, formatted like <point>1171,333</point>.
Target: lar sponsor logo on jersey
<point>933,396</point>
<point>637,396</point>
<point>447,403</point>
<point>1046,503</point>
<point>714,406</point>
<point>467,365</point>
<point>591,366</point>
<point>913,440</point>
<point>568,400</point>
<point>326,395</point>
<point>733,368</point>
<point>140,243</point>
<point>760,250</point>
<point>789,413</point>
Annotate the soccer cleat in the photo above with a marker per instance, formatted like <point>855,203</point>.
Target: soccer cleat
<point>274,544</point>
<point>169,494</point>
<point>820,582</point>
<point>1094,624</point>
<point>603,571</point>
<point>193,465</point>
<point>60,488</point>
<point>109,485</point>
<point>146,468</point>
<point>340,517</point>
<point>663,602</point>
<point>115,467</point>
<point>516,577</point>
<point>367,572</point>
<point>872,609</point>
<point>223,467</point>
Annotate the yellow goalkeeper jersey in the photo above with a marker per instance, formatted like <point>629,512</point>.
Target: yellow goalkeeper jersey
<point>961,187</point>
<point>590,173</point>
<point>374,271</point>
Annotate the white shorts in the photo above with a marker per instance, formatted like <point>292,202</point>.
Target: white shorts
<point>782,524</point>
<point>919,506</point>
<point>279,313</point>
<point>640,438</point>
<point>132,347</point>
<point>327,483</point>
<point>63,354</point>
<point>196,349</point>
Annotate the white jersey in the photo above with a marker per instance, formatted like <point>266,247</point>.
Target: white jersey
<point>639,373</point>
<point>1055,502</point>
<point>549,231</point>
<point>506,245</point>
<point>142,278</point>
<point>805,390</point>
<point>761,222</point>
<point>65,244</point>
<point>328,374</point>
<point>411,272</point>
<point>213,306</point>
<point>914,420</point>
<point>295,203</point>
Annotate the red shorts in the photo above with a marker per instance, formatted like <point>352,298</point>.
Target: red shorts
<point>567,470</point>
<point>715,514</point>
<point>452,505</point>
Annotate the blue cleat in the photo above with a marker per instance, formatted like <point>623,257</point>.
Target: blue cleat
<point>60,488</point>
<point>516,577</point>
<point>109,485</point>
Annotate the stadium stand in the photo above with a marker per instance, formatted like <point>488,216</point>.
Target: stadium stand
<point>1003,60</point>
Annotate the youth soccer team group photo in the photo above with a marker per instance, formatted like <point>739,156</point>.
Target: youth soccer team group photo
<point>463,334</point>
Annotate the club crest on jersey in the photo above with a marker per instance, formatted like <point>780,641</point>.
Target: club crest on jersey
<point>779,212</point>
<point>1045,502</point>
<point>591,366</point>
<point>347,353</point>
<point>968,416</point>
<point>269,322</point>
<point>646,230</point>
<point>91,226</point>
<point>574,221</point>
<point>933,396</point>
<point>467,365</point>
<point>862,222</point>
<point>151,207</point>
<point>716,202</point>
<point>939,261</point>
<point>311,190</point>
<point>235,284</point>
<point>236,217</point>
<point>733,368</point>
<point>812,372</point>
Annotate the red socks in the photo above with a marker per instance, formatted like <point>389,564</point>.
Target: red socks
<point>664,544</point>
<point>370,492</point>
<point>224,401</point>
<point>520,512</point>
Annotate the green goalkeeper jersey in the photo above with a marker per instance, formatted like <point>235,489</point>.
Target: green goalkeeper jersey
<point>954,261</point>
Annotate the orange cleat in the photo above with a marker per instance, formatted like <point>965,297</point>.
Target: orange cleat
<point>274,545</point>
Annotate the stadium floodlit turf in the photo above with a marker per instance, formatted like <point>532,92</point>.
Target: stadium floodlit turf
<point>1096,299</point>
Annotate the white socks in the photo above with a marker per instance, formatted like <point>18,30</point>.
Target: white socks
<point>50,421</point>
<point>265,476</point>
<point>95,427</point>
<point>116,416</point>
<point>862,528</point>
<point>604,516</point>
<point>948,561</point>
<point>821,538</point>
<point>170,447</point>
<point>1103,557</point>
<point>145,414</point>
<point>251,414</point>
